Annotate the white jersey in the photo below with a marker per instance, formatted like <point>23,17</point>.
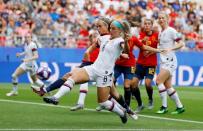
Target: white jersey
<point>109,52</point>
<point>29,52</point>
<point>167,39</point>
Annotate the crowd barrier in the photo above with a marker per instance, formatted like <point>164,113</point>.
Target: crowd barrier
<point>188,73</point>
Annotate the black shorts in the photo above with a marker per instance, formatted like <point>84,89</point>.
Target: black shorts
<point>142,72</point>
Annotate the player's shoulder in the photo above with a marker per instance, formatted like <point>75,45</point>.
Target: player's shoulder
<point>171,29</point>
<point>104,37</point>
<point>33,44</point>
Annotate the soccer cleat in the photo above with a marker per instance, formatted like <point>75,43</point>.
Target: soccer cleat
<point>132,114</point>
<point>162,110</point>
<point>77,107</point>
<point>12,93</point>
<point>150,104</point>
<point>178,111</point>
<point>124,118</point>
<point>140,108</point>
<point>51,100</point>
<point>100,108</point>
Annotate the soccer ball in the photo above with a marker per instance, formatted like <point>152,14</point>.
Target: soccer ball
<point>44,72</point>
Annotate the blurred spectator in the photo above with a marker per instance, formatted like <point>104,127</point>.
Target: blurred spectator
<point>67,23</point>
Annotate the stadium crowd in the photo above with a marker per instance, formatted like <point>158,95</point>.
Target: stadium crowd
<point>67,23</point>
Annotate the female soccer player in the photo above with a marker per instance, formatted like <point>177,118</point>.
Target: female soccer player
<point>102,69</point>
<point>28,65</point>
<point>146,64</point>
<point>169,39</point>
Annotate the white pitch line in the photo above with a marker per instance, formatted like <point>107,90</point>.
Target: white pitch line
<point>59,106</point>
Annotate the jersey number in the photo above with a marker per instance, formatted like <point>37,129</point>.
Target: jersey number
<point>105,79</point>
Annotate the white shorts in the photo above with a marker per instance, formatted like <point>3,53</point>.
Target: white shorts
<point>32,69</point>
<point>101,80</point>
<point>170,66</point>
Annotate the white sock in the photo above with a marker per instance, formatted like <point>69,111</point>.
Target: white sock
<point>81,99</point>
<point>163,94</point>
<point>111,106</point>
<point>84,86</point>
<point>174,96</point>
<point>39,83</point>
<point>83,93</point>
<point>65,88</point>
<point>15,88</point>
<point>113,100</point>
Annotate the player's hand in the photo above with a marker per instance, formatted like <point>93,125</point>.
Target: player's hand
<point>124,55</point>
<point>147,53</point>
<point>146,38</point>
<point>17,54</point>
<point>165,51</point>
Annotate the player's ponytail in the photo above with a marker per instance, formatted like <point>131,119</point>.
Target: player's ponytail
<point>126,31</point>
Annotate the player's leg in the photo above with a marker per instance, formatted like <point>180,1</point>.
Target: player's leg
<point>118,98</point>
<point>139,75</point>
<point>37,83</point>
<point>78,76</point>
<point>161,78</point>
<point>103,95</point>
<point>150,71</point>
<point>19,71</point>
<point>55,85</point>
<point>174,96</point>
<point>82,96</point>
<point>128,76</point>
<point>149,90</point>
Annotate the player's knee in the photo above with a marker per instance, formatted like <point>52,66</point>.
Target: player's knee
<point>148,84</point>
<point>158,81</point>
<point>66,76</point>
<point>107,104</point>
<point>14,78</point>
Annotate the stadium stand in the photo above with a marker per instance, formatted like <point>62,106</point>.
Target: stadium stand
<point>67,23</point>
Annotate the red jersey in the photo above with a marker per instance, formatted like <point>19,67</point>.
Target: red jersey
<point>93,55</point>
<point>153,42</point>
<point>133,41</point>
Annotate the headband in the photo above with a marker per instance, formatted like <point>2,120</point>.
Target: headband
<point>118,24</point>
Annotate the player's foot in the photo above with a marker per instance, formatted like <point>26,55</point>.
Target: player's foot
<point>178,111</point>
<point>140,108</point>
<point>77,107</point>
<point>124,118</point>
<point>51,100</point>
<point>150,104</point>
<point>162,110</point>
<point>132,114</point>
<point>12,93</point>
<point>40,92</point>
<point>100,108</point>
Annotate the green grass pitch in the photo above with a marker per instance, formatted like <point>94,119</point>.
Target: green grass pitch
<point>27,111</point>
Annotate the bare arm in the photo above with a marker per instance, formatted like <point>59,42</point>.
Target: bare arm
<point>20,54</point>
<point>148,48</point>
<point>177,46</point>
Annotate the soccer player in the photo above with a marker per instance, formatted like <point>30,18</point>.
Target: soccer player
<point>102,69</point>
<point>146,64</point>
<point>170,40</point>
<point>126,65</point>
<point>28,65</point>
